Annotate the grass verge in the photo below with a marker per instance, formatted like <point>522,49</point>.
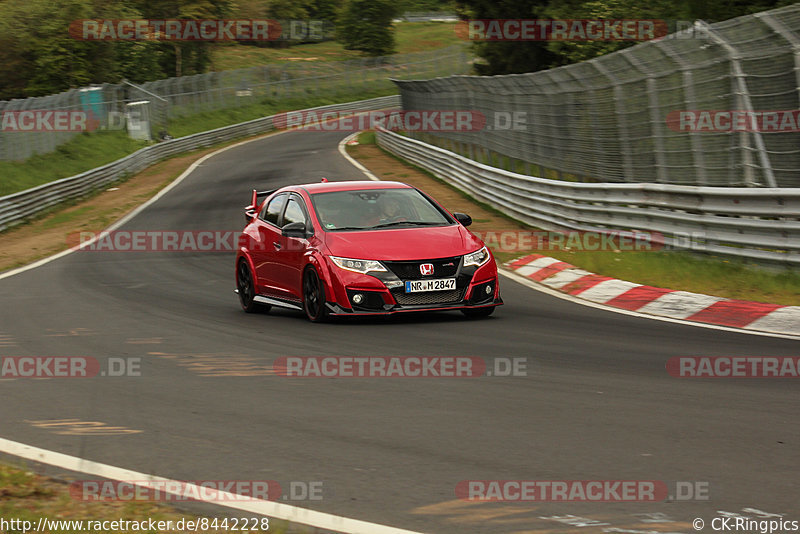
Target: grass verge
<point>410,37</point>
<point>86,151</point>
<point>209,120</point>
<point>26,496</point>
<point>679,270</point>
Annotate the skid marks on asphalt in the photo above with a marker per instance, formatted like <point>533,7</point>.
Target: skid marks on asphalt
<point>144,340</point>
<point>528,518</point>
<point>218,363</point>
<point>76,427</point>
<point>72,332</point>
<point>7,340</point>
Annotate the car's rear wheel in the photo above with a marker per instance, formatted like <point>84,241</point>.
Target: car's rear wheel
<point>478,312</point>
<point>247,289</point>
<point>314,297</point>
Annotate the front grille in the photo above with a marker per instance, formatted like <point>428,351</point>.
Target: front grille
<point>430,297</point>
<point>409,270</point>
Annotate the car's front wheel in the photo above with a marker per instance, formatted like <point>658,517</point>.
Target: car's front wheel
<point>314,297</point>
<point>247,289</point>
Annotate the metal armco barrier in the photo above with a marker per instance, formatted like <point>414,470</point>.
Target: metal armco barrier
<point>752,223</point>
<point>17,207</point>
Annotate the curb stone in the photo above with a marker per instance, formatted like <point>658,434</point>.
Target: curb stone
<point>566,278</point>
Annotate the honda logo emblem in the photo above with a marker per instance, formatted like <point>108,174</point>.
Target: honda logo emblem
<point>426,269</point>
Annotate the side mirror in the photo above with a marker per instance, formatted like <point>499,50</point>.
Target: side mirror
<point>463,218</point>
<point>248,215</point>
<point>295,229</point>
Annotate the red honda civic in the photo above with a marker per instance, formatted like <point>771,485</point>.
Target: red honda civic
<point>361,248</point>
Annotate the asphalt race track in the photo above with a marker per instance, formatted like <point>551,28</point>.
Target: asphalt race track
<point>596,404</point>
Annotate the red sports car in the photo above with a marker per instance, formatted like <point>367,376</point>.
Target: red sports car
<point>361,248</point>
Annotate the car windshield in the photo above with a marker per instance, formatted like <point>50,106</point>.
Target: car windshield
<point>375,209</point>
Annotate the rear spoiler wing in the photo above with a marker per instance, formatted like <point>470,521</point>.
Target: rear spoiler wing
<point>252,210</point>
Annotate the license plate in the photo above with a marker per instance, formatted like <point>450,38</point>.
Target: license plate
<point>441,284</point>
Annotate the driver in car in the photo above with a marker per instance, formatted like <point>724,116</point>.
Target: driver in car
<point>392,211</point>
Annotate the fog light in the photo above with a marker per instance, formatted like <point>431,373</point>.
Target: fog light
<point>358,298</point>
<point>488,288</point>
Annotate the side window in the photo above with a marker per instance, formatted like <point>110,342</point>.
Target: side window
<point>294,212</point>
<point>272,210</point>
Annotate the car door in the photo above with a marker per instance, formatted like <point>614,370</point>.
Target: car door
<point>292,250</point>
<point>264,251</point>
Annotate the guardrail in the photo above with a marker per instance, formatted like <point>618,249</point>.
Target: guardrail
<point>17,207</point>
<point>757,224</point>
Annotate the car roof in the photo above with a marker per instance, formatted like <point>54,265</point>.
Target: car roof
<point>353,185</point>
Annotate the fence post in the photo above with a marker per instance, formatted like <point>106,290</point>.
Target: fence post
<point>624,135</point>
<point>656,122</point>
<point>691,103</point>
<point>744,95</point>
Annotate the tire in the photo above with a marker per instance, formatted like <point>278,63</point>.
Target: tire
<point>247,289</point>
<point>314,297</point>
<point>478,312</point>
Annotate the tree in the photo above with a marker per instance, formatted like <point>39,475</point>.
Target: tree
<point>718,10</point>
<point>323,10</point>
<point>508,57</point>
<point>567,52</point>
<point>366,25</point>
<point>39,57</point>
<point>185,57</point>
<point>286,12</point>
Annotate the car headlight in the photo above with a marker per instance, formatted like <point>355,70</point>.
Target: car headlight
<point>477,258</point>
<point>358,266</point>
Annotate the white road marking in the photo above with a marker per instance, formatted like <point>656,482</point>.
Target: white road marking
<point>209,495</point>
<point>356,164</point>
<point>280,511</point>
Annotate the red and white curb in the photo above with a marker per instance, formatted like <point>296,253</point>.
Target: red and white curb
<point>566,278</point>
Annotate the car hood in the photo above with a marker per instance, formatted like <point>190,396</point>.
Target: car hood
<point>403,244</point>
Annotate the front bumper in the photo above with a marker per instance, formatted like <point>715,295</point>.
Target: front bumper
<point>336,310</point>
<point>383,293</point>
